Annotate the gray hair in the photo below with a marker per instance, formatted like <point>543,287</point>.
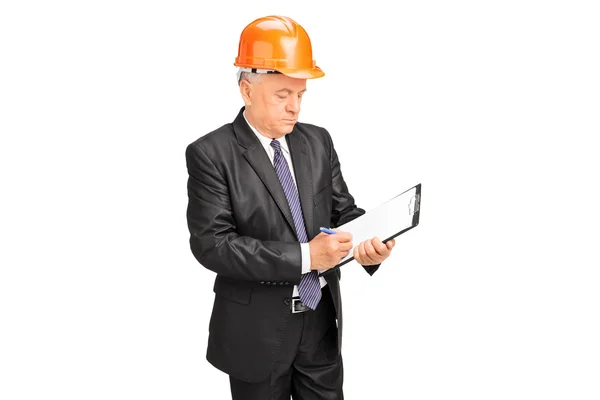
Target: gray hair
<point>251,77</point>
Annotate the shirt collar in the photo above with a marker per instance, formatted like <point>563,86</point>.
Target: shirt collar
<point>266,141</point>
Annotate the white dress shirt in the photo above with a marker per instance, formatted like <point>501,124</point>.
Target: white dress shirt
<point>266,143</point>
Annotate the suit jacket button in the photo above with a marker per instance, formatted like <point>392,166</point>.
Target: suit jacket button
<point>286,302</point>
<point>287,283</point>
<point>280,283</point>
<point>262,282</point>
<point>268,283</point>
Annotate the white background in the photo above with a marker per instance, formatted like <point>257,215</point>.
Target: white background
<point>492,106</point>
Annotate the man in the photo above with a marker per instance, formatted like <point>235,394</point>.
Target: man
<point>259,190</point>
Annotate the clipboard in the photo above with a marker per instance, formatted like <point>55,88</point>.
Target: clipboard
<point>388,220</point>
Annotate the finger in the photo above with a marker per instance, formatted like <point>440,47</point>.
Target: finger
<point>379,246</point>
<point>343,253</point>
<point>343,237</point>
<point>390,244</point>
<point>359,253</point>
<point>371,253</point>
<point>345,247</point>
<point>363,253</point>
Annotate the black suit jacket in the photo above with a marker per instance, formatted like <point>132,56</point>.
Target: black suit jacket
<point>241,228</point>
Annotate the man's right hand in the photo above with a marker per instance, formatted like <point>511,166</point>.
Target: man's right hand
<point>326,250</point>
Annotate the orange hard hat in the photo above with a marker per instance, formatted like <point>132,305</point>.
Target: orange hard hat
<point>276,43</point>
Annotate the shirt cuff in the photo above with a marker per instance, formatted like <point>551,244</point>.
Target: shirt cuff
<point>305,249</point>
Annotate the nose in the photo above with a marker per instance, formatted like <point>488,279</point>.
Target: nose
<point>293,104</point>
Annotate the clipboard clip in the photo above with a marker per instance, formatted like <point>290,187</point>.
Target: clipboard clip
<point>414,204</point>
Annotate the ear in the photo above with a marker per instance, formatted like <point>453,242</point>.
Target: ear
<point>246,92</point>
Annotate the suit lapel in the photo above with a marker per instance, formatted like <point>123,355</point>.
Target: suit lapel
<point>303,174</point>
<point>259,160</point>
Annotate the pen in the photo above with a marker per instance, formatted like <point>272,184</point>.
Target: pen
<point>327,230</point>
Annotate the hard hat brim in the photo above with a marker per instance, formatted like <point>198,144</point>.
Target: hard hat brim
<point>313,73</point>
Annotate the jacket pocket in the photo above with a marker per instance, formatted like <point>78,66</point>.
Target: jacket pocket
<point>235,293</point>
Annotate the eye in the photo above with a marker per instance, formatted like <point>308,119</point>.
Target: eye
<point>281,96</point>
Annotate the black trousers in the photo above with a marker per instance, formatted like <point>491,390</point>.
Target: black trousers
<point>309,365</point>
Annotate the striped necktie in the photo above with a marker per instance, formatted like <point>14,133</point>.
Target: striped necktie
<point>309,288</point>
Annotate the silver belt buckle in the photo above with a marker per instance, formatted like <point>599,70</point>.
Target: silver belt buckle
<point>298,306</point>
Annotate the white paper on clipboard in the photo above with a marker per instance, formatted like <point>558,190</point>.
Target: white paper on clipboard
<point>390,219</point>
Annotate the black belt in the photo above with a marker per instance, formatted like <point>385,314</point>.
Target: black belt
<point>298,306</point>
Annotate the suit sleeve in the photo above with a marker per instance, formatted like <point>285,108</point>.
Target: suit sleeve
<point>344,208</point>
<point>213,238</point>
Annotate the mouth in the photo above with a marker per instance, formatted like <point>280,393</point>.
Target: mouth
<point>289,121</point>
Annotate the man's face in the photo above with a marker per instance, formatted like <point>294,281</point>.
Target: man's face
<point>273,104</point>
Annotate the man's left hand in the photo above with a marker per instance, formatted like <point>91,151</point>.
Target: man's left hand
<point>373,252</point>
